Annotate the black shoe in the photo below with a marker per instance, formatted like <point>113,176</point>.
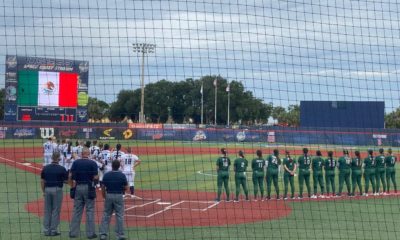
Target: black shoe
<point>103,237</point>
<point>54,234</point>
<point>93,236</point>
<point>72,236</point>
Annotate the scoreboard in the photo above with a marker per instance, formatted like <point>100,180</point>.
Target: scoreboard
<point>45,89</point>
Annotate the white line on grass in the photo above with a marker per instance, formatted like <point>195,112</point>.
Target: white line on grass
<point>206,174</point>
<point>23,164</point>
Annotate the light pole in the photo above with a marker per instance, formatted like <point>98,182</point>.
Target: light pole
<point>143,48</point>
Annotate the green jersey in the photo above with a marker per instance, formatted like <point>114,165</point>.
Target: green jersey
<point>380,161</point>
<point>317,163</point>
<point>344,163</point>
<point>330,164</point>
<point>223,163</point>
<point>304,162</point>
<point>289,163</point>
<point>258,164</point>
<point>390,161</point>
<point>273,162</point>
<point>369,162</point>
<point>356,164</point>
<point>240,164</point>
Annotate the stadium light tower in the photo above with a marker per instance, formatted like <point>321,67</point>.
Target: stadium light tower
<point>143,48</point>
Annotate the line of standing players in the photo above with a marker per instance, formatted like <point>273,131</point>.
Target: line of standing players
<point>375,170</point>
<point>101,153</point>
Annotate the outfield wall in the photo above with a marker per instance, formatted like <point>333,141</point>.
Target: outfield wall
<point>183,132</point>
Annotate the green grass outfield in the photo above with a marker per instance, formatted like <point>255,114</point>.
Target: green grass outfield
<point>5,143</point>
<point>370,218</point>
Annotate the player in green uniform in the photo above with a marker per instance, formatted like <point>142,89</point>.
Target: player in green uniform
<point>273,162</point>
<point>223,164</point>
<point>380,172</point>
<point>258,166</point>
<point>316,166</point>
<point>240,167</point>
<point>304,162</point>
<point>344,165</point>
<point>356,173</point>
<point>369,172</point>
<point>330,165</point>
<point>390,161</point>
<point>290,166</point>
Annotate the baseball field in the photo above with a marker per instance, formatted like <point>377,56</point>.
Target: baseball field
<point>176,188</point>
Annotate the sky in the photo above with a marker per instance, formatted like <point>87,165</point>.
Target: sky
<point>282,51</point>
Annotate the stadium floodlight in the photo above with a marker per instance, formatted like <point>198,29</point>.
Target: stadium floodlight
<point>143,48</point>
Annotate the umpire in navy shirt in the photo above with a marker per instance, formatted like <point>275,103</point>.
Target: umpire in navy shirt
<point>114,186</point>
<point>84,173</point>
<point>53,177</point>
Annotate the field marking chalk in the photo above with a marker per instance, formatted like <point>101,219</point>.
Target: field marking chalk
<point>142,205</point>
<point>23,164</point>
<point>206,174</point>
<point>165,209</point>
<point>211,206</point>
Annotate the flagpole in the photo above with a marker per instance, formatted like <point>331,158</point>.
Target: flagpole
<point>229,102</point>
<point>202,103</point>
<point>215,102</point>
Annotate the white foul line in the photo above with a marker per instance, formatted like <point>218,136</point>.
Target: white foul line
<point>142,205</point>
<point>10,160</point>
<point>165,209</point>
<point>206,174</point>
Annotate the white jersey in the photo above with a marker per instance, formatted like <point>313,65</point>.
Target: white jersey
<point>94,152</point>
<point>78,151</point>
<point>49,148</point>
<point>105,157</point>
<point>117,155</point>
<point>127,162</point>
<point>68,157</point>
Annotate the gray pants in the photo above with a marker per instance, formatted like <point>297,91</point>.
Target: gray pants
<point>52,208</point>
<point>81,200</point>
<point>113,202</point>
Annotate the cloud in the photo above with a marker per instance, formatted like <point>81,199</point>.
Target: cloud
<point>301,50</point>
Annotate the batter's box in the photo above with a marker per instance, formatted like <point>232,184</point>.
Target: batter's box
<point>195,205</point>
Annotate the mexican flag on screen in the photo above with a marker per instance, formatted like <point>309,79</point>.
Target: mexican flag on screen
<point>52,89</point>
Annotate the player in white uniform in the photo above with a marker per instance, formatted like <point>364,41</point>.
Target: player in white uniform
<point>117,153</point>
<point>129,162</point>
<point>60,149</point>
<point>49,148</point>
<point>105,158</point>
<point>77,150</point>
<point>68,155</point>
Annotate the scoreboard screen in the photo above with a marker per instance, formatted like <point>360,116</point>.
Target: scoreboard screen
<point>43,89</point>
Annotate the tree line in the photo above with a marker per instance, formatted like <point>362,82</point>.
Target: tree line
<point>180,102</point>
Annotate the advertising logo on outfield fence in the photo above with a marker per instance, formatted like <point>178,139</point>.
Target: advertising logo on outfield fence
<point>107,135</point>
<point>68,133</point>
<point>200,136</point>
<point>87,132</point>
<point>241,136</point>
<point>24,132</point>
<point>46,132</point>
<point>127,134</point>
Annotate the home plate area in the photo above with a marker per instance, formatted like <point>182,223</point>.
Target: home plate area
<point>148,208</point>
<point>174,208</point>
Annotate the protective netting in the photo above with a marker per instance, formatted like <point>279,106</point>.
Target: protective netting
<point>191,90</point>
